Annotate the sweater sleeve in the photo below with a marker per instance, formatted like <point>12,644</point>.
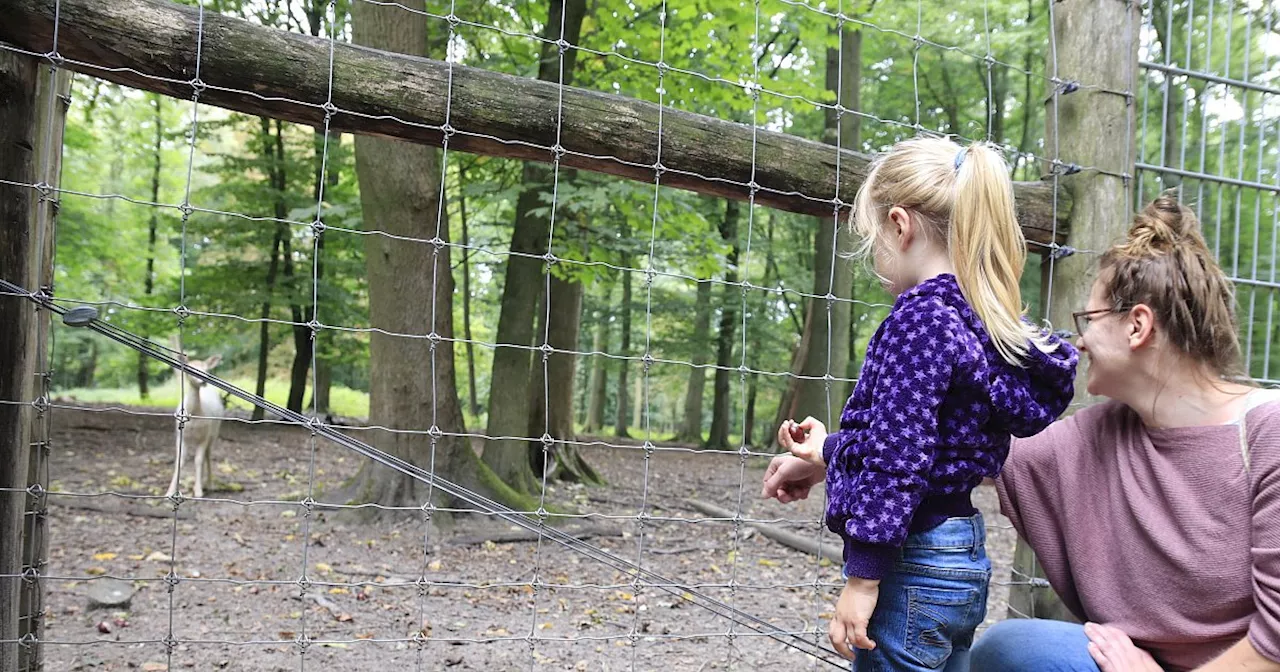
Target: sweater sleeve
<point>872,510</point>
<point>1037,481</point>
<point>1264,629</point>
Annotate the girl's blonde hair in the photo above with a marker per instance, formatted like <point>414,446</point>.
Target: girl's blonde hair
<point>965,196</point>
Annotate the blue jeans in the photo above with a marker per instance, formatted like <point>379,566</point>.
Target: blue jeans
<point>1033,644</point>
<point>932,601</point>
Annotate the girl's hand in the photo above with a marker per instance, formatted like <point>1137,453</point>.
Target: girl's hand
<point>804,439</point>
<point>1113,651</point>
<point>790,478</point>
<point>853,613</point>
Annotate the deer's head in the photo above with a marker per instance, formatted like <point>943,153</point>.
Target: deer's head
<point>204,365</point>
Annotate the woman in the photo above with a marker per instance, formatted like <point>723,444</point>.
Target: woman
<point>1156,515</point>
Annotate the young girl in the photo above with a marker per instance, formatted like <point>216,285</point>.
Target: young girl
<point>951,373</point>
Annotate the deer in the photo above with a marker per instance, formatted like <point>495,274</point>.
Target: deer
<point>202,403</point>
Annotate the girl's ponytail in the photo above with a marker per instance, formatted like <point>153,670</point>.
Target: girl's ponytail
<point>988,249</point>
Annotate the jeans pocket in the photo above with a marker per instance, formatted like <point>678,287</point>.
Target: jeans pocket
<point>935,618</point>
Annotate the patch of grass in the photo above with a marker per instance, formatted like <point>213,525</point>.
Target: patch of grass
<point>343,401</point>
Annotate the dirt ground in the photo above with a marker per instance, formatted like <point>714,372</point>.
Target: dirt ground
<point>237,603</point>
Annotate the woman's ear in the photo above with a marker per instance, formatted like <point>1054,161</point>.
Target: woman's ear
<point>1141,326</point>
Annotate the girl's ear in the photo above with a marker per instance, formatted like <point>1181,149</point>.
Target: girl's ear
<point>903,227</point>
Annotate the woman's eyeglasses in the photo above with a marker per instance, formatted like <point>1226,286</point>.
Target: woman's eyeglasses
<point>1086,317</point>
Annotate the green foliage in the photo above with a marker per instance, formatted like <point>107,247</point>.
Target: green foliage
<point>253,180</point>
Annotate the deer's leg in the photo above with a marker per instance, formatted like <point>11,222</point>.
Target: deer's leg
<point>208,463</point>
<point>202,450</point>
<point>177,466</point>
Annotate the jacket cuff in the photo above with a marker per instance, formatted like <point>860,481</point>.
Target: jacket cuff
<point>829,446</point>
<point>868,561</point>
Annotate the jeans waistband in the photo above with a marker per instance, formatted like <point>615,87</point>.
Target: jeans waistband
<point>954,533</point>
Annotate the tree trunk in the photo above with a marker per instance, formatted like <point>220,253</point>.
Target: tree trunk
<point>153,221</point>
<point>599,374</point>
<point>89,368</point>
<point>620,414</point>
<point>553,415</point>
<point>273,268</point>
<point>641,402</point>
<point>400,194</point>
<point>1000,89</point>
<point>320,391</point>
<point>749,424</point>
<point>827,322</point>
<point>297,311</point>
<point>264,328</point>
<point>262,71</point>
<point>1024,143</point>
<point>301,336</point>
<point>508,398</point>
<point>691,427</point>
<point>466,293</point>
<point>730,298</point>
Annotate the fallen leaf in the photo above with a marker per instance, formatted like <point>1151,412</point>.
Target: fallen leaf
<point>102,557</point>
<point>338,591</point>
<point>95,571</point>
<point>344,618</point>
<point>323,568</point>
<point>155,667</point>
<point>286,634</point>
<point>157,556</point>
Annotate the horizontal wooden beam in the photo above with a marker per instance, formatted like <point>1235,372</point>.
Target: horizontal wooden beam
<point>151,45</point>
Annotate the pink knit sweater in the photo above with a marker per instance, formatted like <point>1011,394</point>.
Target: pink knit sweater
<point>1163,533</point>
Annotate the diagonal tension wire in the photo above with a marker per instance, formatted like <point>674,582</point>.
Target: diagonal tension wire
<point>486,505</point>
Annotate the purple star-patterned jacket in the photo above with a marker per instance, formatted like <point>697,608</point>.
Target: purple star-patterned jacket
<point>931,415</point>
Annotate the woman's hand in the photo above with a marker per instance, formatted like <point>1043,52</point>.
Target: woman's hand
<point>853,613</point>
<point>804,439</point>
<point>1113,651</point>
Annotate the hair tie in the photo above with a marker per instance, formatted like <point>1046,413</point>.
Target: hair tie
<point>960,157</point>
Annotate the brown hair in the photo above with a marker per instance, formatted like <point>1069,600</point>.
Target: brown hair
<point>1166,265</point>
<point>965,195</point>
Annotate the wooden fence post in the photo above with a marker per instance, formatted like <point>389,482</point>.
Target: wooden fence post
<point>1094,46</point>
<point>30,154</point>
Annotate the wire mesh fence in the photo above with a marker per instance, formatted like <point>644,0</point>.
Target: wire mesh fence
<point>274,565</point>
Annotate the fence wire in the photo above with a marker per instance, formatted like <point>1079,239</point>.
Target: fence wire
<point>741,591</point>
